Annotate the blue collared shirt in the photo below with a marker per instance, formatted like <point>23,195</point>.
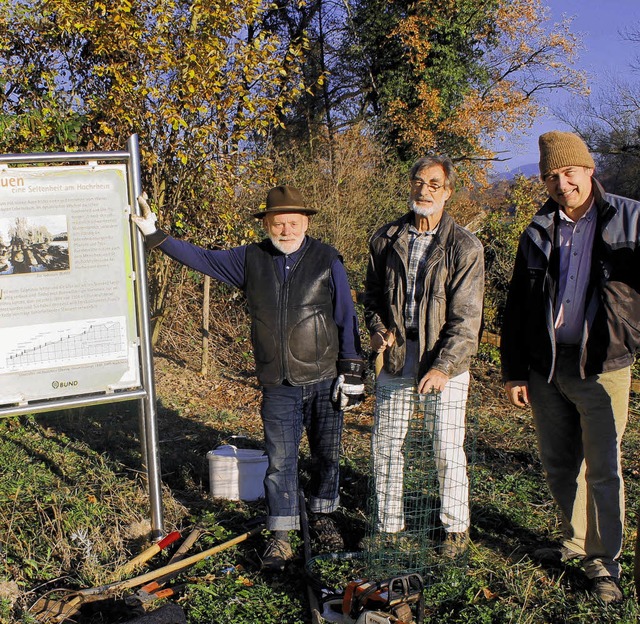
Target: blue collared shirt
<point>575,246</point>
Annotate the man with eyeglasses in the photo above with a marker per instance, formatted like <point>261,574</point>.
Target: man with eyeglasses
<point>423,309</point>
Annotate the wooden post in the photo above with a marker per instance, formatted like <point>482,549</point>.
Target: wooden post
<point>205,326</point>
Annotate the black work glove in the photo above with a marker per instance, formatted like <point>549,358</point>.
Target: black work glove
<point>348,388</point>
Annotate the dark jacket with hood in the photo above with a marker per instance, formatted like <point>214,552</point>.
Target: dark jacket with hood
<point>450,309</point>
<point>611,331</point>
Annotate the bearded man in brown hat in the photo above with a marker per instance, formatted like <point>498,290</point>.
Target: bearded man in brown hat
<point>570,333</point>
<point>307,353</point>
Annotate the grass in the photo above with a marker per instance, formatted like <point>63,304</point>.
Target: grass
<point>73,508</point>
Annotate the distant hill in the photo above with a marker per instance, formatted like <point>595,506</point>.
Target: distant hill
<point>527,170</point>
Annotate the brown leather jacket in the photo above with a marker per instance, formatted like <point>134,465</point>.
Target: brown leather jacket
<point>451,308</point>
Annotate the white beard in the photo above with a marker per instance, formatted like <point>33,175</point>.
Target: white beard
<point>287,247</point>
<point>423,212</point>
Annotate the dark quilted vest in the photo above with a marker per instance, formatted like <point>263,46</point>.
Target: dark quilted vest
<point>293,332</point>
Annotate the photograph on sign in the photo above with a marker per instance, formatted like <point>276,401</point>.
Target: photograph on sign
<point>30,244</point>
<point>67,298</point>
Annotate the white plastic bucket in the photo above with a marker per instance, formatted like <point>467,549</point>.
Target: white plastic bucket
<point>237,474</point>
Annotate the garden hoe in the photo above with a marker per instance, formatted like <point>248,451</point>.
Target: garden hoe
<point>145,555</point>
<point>49,610</point>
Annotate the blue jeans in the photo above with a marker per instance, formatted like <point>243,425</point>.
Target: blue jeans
<point>286,412</point>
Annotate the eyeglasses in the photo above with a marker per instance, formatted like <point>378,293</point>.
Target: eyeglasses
<point>431,187</point>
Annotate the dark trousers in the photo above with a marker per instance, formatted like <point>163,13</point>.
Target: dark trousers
<point>286,412</point>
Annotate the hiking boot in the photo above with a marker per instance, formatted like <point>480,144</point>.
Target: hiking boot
<point>455,545</point>
<point>276,555</point>
<point>607,589</point>
<point>555,556</point>
<point>325,532</point>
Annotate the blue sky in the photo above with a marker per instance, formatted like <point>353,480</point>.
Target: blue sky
<point>605,53</point>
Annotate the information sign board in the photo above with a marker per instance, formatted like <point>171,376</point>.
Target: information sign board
<point>67,297</point>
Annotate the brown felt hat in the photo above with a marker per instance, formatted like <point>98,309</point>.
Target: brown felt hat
<point>563,149</point>
<point>284,199</point>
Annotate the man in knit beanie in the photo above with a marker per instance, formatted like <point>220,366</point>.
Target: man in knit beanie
<point>570,333</point>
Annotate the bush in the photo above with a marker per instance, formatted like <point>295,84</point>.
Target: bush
<point>500,234</point>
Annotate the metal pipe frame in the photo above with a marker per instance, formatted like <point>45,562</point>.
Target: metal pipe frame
<point>149,429</point>
<point>147,395</point>
<point>61,404</point>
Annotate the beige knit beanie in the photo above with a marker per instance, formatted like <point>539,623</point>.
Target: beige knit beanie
<point>562,149</point>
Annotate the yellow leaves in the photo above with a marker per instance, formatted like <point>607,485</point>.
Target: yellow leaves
<point>106,128</point>
<point>460,98</point>
<point>179,220</point>
<point>196,90</point>
<point>249,104</point>
<point>177,122</point>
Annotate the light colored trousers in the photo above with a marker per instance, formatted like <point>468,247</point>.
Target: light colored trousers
<point>396,400</point>
<point>579,425</point>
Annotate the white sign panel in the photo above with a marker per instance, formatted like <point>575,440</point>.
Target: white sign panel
<point>67,301</point>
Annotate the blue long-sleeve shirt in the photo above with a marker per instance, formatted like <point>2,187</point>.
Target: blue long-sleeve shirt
<point>228,266</point>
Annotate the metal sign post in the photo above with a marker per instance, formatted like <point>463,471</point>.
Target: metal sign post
<point>74,314</point>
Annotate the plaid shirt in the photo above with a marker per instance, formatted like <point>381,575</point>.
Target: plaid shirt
<point>419,243</point>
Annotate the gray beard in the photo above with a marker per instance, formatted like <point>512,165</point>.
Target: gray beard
<point>423,212</point>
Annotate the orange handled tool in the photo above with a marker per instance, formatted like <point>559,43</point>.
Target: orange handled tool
<point>145,555</point>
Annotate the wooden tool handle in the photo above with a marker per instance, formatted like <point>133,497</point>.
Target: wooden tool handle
<point>172,567</point>
<point>145,555</point>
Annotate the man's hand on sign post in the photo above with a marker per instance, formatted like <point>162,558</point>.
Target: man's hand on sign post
<point>348,388</point>
<point>146,222</point>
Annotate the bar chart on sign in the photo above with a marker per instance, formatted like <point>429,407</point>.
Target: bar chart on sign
<point>63,344</point>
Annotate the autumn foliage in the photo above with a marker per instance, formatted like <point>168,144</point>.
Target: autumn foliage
<point>232,97</point>
<point>475,69</point>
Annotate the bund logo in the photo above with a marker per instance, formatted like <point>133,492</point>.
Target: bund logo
<point>64,384</point>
